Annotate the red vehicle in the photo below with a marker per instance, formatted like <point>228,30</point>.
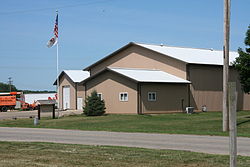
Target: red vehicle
<point>27,106</point>
<point>7,103</point>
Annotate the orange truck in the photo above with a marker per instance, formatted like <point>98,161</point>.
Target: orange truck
<point>7,103</point>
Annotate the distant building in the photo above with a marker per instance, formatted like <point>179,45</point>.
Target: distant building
<point>33,97</point>
<point>143,78</point>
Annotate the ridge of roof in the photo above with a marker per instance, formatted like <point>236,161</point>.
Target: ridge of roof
<point>74,70</point>
<point>142,69</point>
<point>183,47</point>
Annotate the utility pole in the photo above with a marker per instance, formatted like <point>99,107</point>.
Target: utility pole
<point>232,98</point>
<point>226,64</point>
<point>10,83</point>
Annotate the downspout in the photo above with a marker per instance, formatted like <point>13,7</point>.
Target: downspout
<point>188,87</point>
<point>76,95</point>
<point>138,99</point>
<point>139,109</point>
<point>85,89</point>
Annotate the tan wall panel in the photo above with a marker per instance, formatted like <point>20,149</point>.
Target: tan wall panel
<point>110,85</point>
<point>137,57</point>
<point>80,91</point>
<point>243,100</point>
<point>169,98</point>
<point>206,88</point>
<point>66,81</point>
<point>246,101</point>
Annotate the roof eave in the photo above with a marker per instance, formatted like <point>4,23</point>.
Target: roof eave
<point>110,55</point>
<point>63,72</point>
<point>55,83</point>
<point>161,53</point>
<point>165,82</point>
<point>132,79</point>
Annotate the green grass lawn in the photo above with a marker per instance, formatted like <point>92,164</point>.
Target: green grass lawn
<point>47,154</point>
<point>209,123</point>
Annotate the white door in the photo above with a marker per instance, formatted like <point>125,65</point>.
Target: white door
<point>66,97</point>
<point>79,103</point>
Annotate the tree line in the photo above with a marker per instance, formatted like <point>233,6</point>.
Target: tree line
<point>6,88</point>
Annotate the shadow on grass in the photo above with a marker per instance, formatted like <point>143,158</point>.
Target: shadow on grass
<point>145,115</point>
<point>243,122</point>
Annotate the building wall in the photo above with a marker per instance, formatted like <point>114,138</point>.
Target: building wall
<point>243,99</point>
<point>66,81</point>
<point>81,93</point>
<point>33,97</point>
<point>206,87</point>
<point>246,102</point>
<point>169,97</point>
<point>110,85</point>
<point>138,57</point>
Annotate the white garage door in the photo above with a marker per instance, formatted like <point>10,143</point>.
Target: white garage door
<point>66,97</point>
<point>79,103</point>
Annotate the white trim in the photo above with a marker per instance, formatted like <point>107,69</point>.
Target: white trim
<point>151,96</point>
<point>79,103</point>
<point>124,99</point>
<point>66,97</point>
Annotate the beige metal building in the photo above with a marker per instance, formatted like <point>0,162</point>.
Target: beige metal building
<point>139,91</point>
<point>142,78</point>
<point>70,92</point>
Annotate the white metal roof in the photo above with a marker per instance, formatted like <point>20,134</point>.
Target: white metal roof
<point>192,55</point>
<point>31,98</point>
<point>77,75</point>
<point>148,75</point>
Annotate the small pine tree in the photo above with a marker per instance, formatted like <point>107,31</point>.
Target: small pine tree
<point>94,105</point>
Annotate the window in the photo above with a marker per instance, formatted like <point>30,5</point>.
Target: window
<point>151,96</point>
<point>123,96</point>
<point>100,95</point>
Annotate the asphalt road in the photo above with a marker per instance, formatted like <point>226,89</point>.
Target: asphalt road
<point>196,143</point>
<point>29,114</point>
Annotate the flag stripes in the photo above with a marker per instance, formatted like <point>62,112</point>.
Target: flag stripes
<point>56,27</point>
<point>53,41</point>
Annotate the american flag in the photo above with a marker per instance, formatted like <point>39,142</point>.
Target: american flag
<point>56,27</point>
<point>53,41</point>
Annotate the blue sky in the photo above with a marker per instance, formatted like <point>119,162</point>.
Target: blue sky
<point>92,29</point>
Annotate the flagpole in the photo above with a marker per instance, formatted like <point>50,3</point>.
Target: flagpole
<point>58,87</point>
<point>57,73</point>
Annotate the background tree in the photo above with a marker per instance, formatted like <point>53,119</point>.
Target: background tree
<point>6,88</point>
<point>94,105</point>
<point>242,64</point>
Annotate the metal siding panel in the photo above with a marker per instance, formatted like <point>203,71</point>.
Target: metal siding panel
<point>169,97</point>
